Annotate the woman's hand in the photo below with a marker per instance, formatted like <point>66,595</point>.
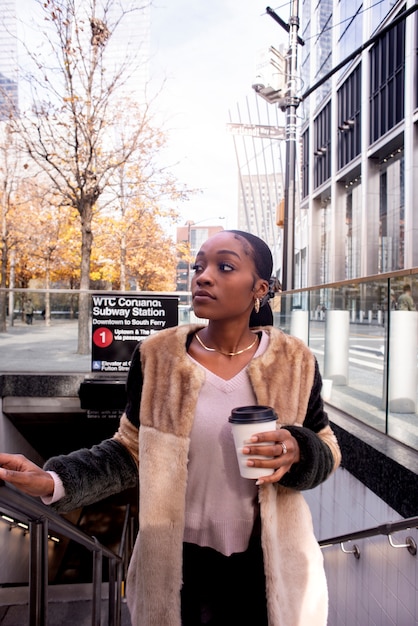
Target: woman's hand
<point>25,475</point>
<point>284,449</point>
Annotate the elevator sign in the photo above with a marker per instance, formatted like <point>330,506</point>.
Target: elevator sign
<point>120,321</point>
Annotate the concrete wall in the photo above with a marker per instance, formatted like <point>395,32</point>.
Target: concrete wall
<point>381,587</point>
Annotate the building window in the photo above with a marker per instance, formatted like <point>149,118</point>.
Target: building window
<point>305,164</point>
<point>351,27</point>
<point>325,269</point>
<point>379,11</point>
<point>8,97</point>
<point>353,232</point>
<point>322,146</point>
<point>387,77</point>
<point>323,46</point>
<point>349,119</point>
<point>300,269</point>
<point>391,215</point>
<point>197,237</point>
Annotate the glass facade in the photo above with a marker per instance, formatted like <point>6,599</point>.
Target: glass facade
<point>391,215</point>
<point>366,348</point>
<point>358,149</point>
<point>358,167</point>
<point>353,232</point>
<point>365,345</point>
<point>350,27</point>
<point>8,59</point>
<point>305,164</point>
<point>306,32</point>
<point>349,118</point>
<point>387,77</point>
<point>316,54</point>
<point>379,11</point>
<point>322,153</point>
<point>325,239</point>
<point>322,42</point>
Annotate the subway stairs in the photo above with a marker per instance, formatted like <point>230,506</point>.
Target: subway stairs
<point>68,605</point>
<point>70,578</point>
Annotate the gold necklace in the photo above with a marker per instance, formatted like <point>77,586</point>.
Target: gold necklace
<point>226,353</point>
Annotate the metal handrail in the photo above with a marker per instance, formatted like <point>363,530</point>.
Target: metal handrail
<point>411,271</point>
<point>383,529</point>
<point>354,281</point>
<point>41,519</point>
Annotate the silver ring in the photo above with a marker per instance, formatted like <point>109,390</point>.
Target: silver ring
<point>284,447</point>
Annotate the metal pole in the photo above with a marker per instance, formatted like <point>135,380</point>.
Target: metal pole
<point>97,586</point>
<point>38,573</point>
<point>292,103</point>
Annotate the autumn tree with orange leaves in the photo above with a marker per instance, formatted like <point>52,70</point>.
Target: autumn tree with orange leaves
<point>134,252</point>
<point>71,130</point>
<point>10,201</point>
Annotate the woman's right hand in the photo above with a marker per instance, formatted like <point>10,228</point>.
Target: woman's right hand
<point>17,470</point>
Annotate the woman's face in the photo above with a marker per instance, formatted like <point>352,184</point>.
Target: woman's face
<point>225,283</point>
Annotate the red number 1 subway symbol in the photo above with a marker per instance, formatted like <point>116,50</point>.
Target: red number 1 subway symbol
<point>102,337</point>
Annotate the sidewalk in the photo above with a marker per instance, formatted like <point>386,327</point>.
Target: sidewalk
<point>41,348</point>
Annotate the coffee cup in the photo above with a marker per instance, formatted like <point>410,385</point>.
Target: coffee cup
<point>247,421</point>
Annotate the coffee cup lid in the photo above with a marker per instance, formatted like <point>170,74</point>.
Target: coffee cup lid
<point>256,413</point>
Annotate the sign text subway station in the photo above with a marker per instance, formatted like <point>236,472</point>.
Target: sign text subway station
<point>120,321</point>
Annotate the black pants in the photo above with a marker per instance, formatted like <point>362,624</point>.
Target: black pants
<point>223,591</point>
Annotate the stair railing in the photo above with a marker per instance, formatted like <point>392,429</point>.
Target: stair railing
<point>41,521</point>
<point>387,529</point>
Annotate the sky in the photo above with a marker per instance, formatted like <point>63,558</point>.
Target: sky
<point>203,64</point>
<point>207,53</point>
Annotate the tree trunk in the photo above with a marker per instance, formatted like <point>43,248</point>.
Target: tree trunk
<point>84,297</point>
<point>47,306</point>
<point>12,287</point>
<point>3,294</point>
<point>3,272</point>
<point>3,308</point>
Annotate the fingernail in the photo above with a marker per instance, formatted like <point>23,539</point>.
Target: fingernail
<point>259,482</point>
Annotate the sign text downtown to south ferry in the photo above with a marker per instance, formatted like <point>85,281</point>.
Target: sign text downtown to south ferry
<point>119,321</point>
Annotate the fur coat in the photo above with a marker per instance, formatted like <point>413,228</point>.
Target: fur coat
<point>285,377</point>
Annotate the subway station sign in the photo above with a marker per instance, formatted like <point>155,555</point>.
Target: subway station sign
<point>120,321</point>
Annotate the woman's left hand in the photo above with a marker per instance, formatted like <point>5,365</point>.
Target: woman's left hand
<point>281,445</point>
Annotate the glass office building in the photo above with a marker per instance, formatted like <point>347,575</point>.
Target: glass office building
<point>8,58</point>
<point>359,138</point>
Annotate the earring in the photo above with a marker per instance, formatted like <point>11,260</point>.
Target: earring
<point>257,305</point>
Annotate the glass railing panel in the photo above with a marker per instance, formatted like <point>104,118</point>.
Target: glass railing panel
<point>367,350</point>
<point>342,327</point>
<point>355,340</point>
<point>366,347</point>
<point>56,305</point>
<point>320,299</point>
<point>42,334</point>
<point>402,359</point>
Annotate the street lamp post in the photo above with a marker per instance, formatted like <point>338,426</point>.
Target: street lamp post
<point>292,103</point>
<point>289,104</point>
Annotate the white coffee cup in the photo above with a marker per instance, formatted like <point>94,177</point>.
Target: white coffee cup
<point>247,421</point>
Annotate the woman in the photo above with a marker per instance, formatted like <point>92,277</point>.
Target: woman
<point>212,548</point>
